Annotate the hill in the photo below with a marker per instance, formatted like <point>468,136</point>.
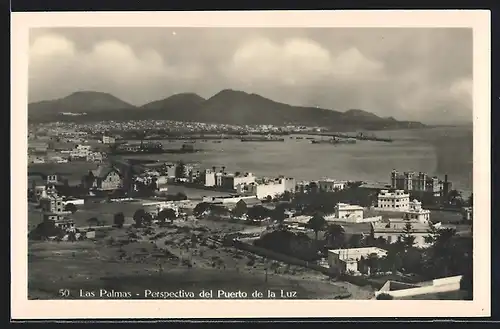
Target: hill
<point>226,107</point>
<point>79,102</point>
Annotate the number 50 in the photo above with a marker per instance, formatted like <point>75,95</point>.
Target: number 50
<point>64,292</point>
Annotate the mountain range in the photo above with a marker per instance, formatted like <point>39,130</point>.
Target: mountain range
<point>226,107</point>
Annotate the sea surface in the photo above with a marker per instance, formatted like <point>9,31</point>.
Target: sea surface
<point>436,151</point>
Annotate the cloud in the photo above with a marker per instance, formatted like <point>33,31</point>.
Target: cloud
<point>414,74</point>
<point>110,65</point>
<point>296,62</point>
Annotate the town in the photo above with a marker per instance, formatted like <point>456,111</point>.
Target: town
<point>408,238</point>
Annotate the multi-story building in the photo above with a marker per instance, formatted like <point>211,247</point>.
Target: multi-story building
<point>397,200</point>
<point>209,178</point>
<point>420,182</point>
<point>265,188</point>
<point>52,207</point>
<point>416,212</point>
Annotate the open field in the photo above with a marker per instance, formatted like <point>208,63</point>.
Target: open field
<point>129,260</point>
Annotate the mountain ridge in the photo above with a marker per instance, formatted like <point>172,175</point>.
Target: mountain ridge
<point>228,106</point>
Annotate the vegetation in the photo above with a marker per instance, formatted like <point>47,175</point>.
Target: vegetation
<point>119,219</point>
<point>70,207</point>
<point>240,209</point>
<point>166,214</point>
<point>384,296</point>
<point>317,223</point>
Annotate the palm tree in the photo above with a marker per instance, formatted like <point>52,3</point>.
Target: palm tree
<point>335,235</point>
<point>317,223</point>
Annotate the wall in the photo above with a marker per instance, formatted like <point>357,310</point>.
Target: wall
<point>439,285</point>
<point>281,257</point>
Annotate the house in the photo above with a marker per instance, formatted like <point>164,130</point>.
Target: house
<point>52,207</point>
<point>416,212</point>
<point>108,140</point>
<point>104,178</point>
<point>266,188</point>
<point>441,289</point>
<point>348,260</point>
<point>347,211</point>
<point>393,201</point>
<point>392,230</point>
<point>80,152</point>
<point>330,185</point>
<point>154,208</point>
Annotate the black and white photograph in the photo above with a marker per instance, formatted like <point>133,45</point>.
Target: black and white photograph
<point>181,163</point>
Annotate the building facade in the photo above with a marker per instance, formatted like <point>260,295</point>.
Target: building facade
<point>393,201</point>
<point>416,212</point>
<point>348,212</point>
<point>330,185</point>
<point>348,260</point>
<point>392,231</point>
<point>420,182</point>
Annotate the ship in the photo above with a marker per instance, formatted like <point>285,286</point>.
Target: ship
<point>333,141</point>
<point>151,148</point>
<point>262,139</point>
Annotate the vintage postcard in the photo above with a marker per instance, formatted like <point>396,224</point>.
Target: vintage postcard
<point>250,164</point>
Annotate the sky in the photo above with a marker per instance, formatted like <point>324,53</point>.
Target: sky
<point>422,74</point>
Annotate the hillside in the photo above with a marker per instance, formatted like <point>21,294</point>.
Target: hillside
<point>78,102</point>
<point>227,107</point>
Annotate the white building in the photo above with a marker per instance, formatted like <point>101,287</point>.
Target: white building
<point>108,140</point>
<point>392,230</point>
<point>330,185</point>
<point>347,260</point>
<point>415,212</point>
<point>154,208</point>
<point>80,151</point>
<point>264,189</point>
<point>209,178</point>
<point>348,212</point>
<point>393,201</point>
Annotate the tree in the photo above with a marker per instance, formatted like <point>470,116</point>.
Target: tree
<point>119,219</point>
<point>316,223</point>
<point>269,198</point>
<point>93,221</point>
<point>139,217</point>
<point>180,170</point>
<point>200,208</point>
<point>167,214</point>
<point>278,215</point>
<point>335,236</point>
<point>356,241</point>
<point>240,209</point>
<point>70,207</point>
<point>373,263</point>
<point>407,239</point>
<point>258,212</point>
<point>455,198</point>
